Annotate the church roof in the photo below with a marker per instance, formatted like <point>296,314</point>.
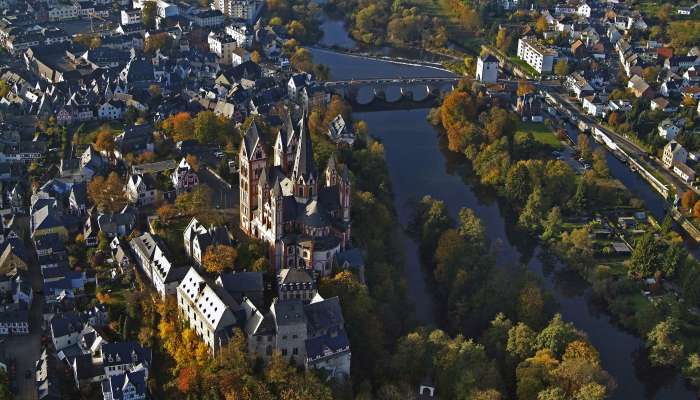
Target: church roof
<point>304,161</point>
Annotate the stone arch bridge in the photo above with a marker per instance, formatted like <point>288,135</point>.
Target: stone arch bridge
<point>391,90</point>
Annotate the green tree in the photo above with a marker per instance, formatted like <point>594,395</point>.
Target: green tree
<point>148,14</point>
<point>664,346</point>
<point>673,259</point>
<point>302,60</point>
<point>533,213</point>
<point>552,225</point>
<point>207,127</point>
<point>521,341</point>
<point>518,183</point>
<point>561,68</point>
<point>557,335</point>
<point>471,228</point>
<point>580,199</point>
<point>691,370</point>
<point>645,256</point>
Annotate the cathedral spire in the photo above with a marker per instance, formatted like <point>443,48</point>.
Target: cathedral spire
<point>304,161</point>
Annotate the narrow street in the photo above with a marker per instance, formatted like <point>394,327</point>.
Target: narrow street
<point>26,349</point>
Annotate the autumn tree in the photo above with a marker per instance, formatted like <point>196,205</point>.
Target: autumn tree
<point>696,209</point>
<point>302,60</point>
<point>688,200</point>
<point>499,123</point>
<point>198,199</point>
<point>524,87</point>
<point>167,212</point>
<point>561,68</point>
<point>584,146</point>
<point>107,194</point>
<point>219,257</point>
<point>193,161</point>
<point>105,140</point>
<point>600,163</point>
<point>614,119</point>
<point>541,24</point>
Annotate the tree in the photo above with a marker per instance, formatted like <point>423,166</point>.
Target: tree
<point>531,306</point>
<point>157,41</point>
<point>255,57</point>
<point>4,88</point>
<point>525,87</point>
<point>688,200</point>
<point>614,119</point>
<point>503,40</point>
<point>696,209</point>
<point>531,217</point>
<point>534,374</point>
<point>691,370</point>
<point>195,201</point>
<point>180,126</point>
<point>580,201</point>
<point>600,163</point>
<point>541,24</point>
<point>154,90</point>
<point>664,13</point>
<point>193,161</point>
<point>219,257</point>
<point>557,335</point>
<point>561,68</point>
<point>302,60</point>
<point>664,347</point>
<point>584,146</point>
<point>644,256</point>
<point>107,194</point>
<point>521,341</point>
<point>167,212</point>
<point>105,140</point>
<point>518,183</point>
<point>673,259</point>
<point>148,14</point>
<point>470,227</point>
<point>207,126</point>
<point>552,225</point>
<point>499,123</point>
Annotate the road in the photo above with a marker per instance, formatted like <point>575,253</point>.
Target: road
<point>631,148</point>
<point>26,349</point>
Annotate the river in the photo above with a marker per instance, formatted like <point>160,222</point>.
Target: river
<point>419,165</point>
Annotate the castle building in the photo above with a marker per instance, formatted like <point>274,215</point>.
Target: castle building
<point>302,215</point>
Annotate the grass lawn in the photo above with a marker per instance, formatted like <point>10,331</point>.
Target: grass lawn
<point>541,133</point>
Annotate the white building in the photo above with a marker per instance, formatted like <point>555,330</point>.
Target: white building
<point>536,55</point>
<point>674,153</point>
<point>241,34</point>
<point>207,309</point>
<point>487,69</point>
<point>141,190</point>
<point>151,256</point>
<point>62,12</point>
<point>223,46</point>
<point>584,10</point>
<point>247,10</point>
<point>129,17</point>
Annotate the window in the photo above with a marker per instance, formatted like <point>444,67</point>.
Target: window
<point>284,352</point>
<point>295,351</point>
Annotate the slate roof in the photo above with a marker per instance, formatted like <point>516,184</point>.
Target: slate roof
<point>119,353</point>
<point>324,315</point>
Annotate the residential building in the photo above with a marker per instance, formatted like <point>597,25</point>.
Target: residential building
<point>141,189</point>
<point>184,177</point>
<point>295,284</point>
<point>640,87</point>
<point>198,238</point>
<point>668,129</point>
<point>339,132</point>
<point>150,255</point>
<point>246,10</point>
<point>536,55</point>
<point>674,153</point>
<point>129,17</point>
<point>207,308</point>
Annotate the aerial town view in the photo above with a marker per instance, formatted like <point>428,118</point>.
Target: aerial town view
<point>349,199</point>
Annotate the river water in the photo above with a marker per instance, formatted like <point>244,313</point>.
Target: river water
<point>420,165</point>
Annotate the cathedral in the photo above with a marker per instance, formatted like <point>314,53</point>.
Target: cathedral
<point>302,215</point>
